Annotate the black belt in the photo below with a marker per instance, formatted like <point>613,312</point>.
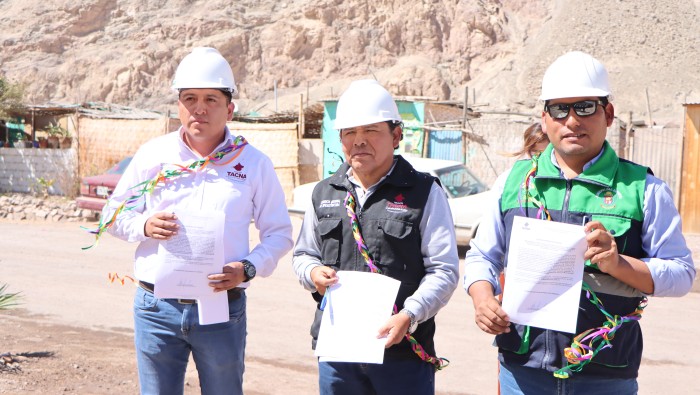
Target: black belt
<point>233,294</point>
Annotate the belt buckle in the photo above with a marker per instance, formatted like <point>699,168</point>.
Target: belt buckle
<point>186,301</point>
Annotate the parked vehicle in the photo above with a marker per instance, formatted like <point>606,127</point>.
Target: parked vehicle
<point>94,190</point>
<point>467,195</point>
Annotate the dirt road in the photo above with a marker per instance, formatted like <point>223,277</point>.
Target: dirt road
<point>78,326</point>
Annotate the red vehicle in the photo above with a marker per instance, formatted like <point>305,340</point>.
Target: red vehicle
<point>94,190</point>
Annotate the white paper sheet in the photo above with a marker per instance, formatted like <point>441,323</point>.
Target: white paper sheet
<point>359,304</point>
<point>188,258</point>
<point>213,308</point>
<point>544,274</point>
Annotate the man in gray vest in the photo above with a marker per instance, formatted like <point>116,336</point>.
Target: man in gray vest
<point>378,214</point>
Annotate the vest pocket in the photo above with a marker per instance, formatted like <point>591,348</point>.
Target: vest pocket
<point>397,241</point>
<point>330,231</point>
<point>617,226</point>
<point>396,229</point>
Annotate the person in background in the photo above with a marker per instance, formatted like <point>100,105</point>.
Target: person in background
<point>378,214</point>
<point>635,247</point>
<point>225,176</point>
<point>534,142</point>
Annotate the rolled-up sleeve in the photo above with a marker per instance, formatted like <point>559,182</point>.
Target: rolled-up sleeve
<point>670,260</point>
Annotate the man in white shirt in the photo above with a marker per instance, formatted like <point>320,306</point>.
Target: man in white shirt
<point>225,176</point>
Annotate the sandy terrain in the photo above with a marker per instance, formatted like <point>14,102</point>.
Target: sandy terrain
<point>74,328</point>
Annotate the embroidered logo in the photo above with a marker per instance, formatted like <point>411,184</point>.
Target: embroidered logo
<point>398,205</point>
<point>608,198</point>
<point>238,174</point>
<point>329,203</point>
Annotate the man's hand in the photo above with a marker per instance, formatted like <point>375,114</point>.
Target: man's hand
<point>602,248</point>
<point>488,314</point>
<point>323,277</point>
<point>160,227</point>
<point>232,276</point>
<point>394,329</point>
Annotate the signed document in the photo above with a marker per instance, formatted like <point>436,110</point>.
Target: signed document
<point>188,258</point>
<point>356,307</point>
<point>544,274</point>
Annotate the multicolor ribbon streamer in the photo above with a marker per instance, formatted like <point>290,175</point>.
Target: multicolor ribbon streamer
<point>162,178</point>
<point>542,212</point>
<point>438,363</point>
<point>586,345</point>
<point>355,225</point>
<point>112,277</point>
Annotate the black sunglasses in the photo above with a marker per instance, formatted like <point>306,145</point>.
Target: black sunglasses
<point>583,108</point>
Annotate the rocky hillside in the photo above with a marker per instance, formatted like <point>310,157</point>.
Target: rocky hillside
<point>126,51</point>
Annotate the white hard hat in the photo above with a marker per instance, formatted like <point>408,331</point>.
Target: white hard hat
<point>365,102</point>
<point>575,74</point>
<point>204,67</point>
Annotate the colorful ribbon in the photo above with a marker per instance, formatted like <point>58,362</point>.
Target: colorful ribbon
<point>161,179</point>
<point>542,212</point>
<point>586,345</point>
<point>112,277</point>
<point>438,363</point>
<point>355,225</point>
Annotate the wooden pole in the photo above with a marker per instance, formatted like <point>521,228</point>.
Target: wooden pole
<point>300,129</point>
<point>464,112</point>
<point>646,91</point>
<point>628,142</point>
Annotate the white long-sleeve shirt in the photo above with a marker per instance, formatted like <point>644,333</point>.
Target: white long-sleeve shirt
<point>245,189</point>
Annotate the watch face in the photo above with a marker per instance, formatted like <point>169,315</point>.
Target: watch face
<point>249,270</point>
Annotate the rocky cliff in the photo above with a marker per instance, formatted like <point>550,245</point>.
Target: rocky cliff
<point>126,51</point>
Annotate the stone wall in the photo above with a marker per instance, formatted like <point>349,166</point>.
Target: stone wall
<point>20,207</point>
<point>38,170</point>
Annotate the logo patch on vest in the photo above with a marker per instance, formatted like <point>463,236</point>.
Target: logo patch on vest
<point>608,198</point>
<point>238,174</point>
<point>329,203</point>
<point>398,205</point>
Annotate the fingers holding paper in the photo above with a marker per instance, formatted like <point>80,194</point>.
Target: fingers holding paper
<point>161,226</point>
<point>602,248</point>
<point>231,276</point>
<point>323,277</point>
<point>394,329</point>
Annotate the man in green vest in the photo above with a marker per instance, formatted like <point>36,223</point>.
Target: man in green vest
<point>635,247</point>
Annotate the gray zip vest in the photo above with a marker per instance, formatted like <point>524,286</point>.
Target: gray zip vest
<point>389,223</point>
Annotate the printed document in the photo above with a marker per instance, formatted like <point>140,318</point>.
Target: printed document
<point>188,258</point>
<point>356,307</point>
<point>544,274</point>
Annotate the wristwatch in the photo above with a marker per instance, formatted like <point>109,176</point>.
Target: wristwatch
<point>248,270</point>
<point>413,325</point>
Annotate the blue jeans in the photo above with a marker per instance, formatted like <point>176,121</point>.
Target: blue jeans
<point>519,380</point>
<point>164,334</point>
<point>395,377</point>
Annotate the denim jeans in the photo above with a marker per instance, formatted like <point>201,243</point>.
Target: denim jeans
<point>394,377</point>
<point>519,380</point>
<point>164,334</point>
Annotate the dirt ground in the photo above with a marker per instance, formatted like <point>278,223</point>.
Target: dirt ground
<point>73,332</point>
